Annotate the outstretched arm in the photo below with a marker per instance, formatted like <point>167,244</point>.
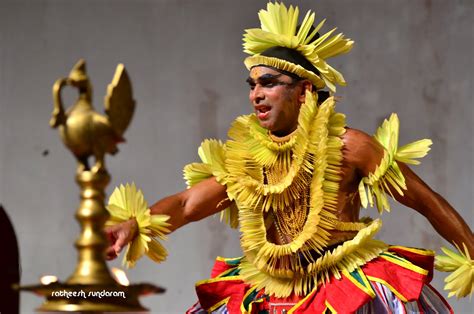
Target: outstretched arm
<point>365,153</point>
<point>202,200</point>
<point>442,216</point>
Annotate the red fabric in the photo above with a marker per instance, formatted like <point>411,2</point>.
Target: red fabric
<point>213,292</point>
<point>423,261</point>
<point>277,305</point>
<point>220,267</point>
<point>341,294</point>
<point>405,281</point>
<point>333,292</point>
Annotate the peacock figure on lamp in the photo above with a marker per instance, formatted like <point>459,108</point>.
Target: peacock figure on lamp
<point>86,132</point>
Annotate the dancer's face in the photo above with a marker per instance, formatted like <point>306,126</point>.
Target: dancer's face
<point>276,99</point>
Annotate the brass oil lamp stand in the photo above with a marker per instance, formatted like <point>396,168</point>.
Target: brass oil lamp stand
<point>91,288</point>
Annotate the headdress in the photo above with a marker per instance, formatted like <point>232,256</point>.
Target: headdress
<point>282,44</point>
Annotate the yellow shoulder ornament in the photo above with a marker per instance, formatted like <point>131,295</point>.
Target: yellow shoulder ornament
<point>212,154</point>
<point>127,202</point>
<point>387,174</point>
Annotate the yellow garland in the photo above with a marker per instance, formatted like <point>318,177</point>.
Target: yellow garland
<point>346,257</point>
<point>311,157</point>
<point>317,153</point>
<point>250,149</point>
<point>461,282</point>
<point>127,202</point>
<point>278,28</point>
<point>387,174</point>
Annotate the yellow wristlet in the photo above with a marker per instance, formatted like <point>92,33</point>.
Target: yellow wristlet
<point>127,202</point>
<point>461,282</point>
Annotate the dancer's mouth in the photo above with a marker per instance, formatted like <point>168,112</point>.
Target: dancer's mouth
<point>262,111</point>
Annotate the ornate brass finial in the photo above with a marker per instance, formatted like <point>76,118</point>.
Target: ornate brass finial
<point>87,133</point>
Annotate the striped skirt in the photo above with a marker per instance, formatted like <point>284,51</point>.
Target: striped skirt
<point>395,282</point>
<point>386,301</point>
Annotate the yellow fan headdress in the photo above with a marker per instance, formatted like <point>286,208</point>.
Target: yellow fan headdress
<point>282,44</point>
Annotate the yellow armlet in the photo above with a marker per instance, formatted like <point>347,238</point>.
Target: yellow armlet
<point>212,154</point>
<point>387,175</point>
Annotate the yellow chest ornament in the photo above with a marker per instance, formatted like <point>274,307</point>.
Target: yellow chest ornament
<point>267,176</point>
<point>300,175</point>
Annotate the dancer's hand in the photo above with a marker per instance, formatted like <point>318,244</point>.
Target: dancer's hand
<point>119,236</point>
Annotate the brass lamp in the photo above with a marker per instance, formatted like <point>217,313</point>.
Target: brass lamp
<point>87,133</point>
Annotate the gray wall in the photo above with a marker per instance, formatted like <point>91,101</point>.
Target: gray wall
<point>185,61</point>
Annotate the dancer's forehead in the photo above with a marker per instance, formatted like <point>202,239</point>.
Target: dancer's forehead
<point>267,73</point>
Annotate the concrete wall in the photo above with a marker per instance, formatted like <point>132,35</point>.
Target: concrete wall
<point>185,61</point>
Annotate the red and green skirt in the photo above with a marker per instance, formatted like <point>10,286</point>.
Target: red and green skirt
<point>397,281</point>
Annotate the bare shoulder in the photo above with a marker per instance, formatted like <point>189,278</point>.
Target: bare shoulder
<point>361,150</point>
<point>356,137</point>
<point>359,143</point>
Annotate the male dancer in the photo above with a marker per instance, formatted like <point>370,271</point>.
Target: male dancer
<point>293,177</point>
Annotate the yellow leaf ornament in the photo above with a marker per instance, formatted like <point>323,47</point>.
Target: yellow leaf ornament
<point>125,203</point>
<point>461,282</point>
<point>279,28</point>
<point>212,154</point>
<point>387,176</point>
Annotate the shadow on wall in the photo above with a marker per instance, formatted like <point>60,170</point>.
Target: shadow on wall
<point>9,266</point>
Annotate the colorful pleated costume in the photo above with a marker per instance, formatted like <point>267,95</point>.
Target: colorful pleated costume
<point>388,284</point>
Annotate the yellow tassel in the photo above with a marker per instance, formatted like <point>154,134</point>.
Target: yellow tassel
<point>461,282</point>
